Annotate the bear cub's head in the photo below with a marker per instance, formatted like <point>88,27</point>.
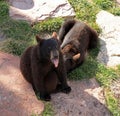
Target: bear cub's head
<point>49,49</point>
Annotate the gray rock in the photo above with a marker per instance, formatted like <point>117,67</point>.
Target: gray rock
<point>110,38</point>
<point>37,10</point>
<point>17,97</point>
<point>85,99</point>
<point>118,1</point>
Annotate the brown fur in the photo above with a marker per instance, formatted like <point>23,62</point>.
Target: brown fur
<point>38,68</point>
<point>76,38</point>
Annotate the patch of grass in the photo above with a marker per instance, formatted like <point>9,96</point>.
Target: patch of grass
<point>106,75</point>
<point>115,11</point>
<point>15,47</point>
<point>112,103</point>
<point>86,11</point>
<point>95,27</point>
<point>48,110</point>
<point>17,30</point>
<point>86,70</point>
<point>89,68</point>
<point>109,5</point>
<point>19,33</point>
<point>92,68</point>
<point>104,4</point>
<point>4,9</point>
<point>49,25</point>
<point>118,68</point>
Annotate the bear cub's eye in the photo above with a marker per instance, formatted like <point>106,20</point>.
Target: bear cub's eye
<point>49,49</point>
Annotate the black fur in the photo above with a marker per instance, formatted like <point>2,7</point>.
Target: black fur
<point>76,38</point>
<point>43,66</point>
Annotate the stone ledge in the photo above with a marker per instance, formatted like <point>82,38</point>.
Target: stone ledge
<point>109,39</point>
<point>17,97</point>
<point>85,99</point>
<point>38,10</point>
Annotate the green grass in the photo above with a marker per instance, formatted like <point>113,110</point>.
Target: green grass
<point>4,9</point>
<point>86,11</point>
<point>20,35</point>
<point>109,5</point>
<point>48,110</point>
<point>112,102</point>
<point>49,25</point>
<point>104,4</point>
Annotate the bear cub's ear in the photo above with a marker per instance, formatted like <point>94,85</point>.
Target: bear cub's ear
<point>38,39</point>
<point>54,35</point>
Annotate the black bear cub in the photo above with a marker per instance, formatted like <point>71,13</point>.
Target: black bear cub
<point>77,38</point>
<point>43,66</point>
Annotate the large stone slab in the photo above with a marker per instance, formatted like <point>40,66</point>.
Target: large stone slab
<point>118,1</point>
<point>110,38</point>
<point>37,10</point>
<point>17,97</point>
<point>85,99</point>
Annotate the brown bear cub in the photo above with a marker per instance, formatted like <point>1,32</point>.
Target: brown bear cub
<point>43,66</point>
<point>76,39</point>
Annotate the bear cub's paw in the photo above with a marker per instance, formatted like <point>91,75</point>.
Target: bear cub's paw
<point>45,97</point>
<point>65,89</point>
